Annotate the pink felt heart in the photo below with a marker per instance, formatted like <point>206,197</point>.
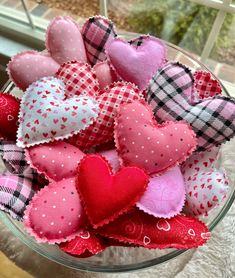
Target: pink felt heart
<point>97,31</point>
<point>56,161</point>
<point>46,116</point>
<point>64,43</point>
<point>55,213</point>
<point>137,65</point>
<point>15,194</point>
<point>165,195</point>
<point>206,186</point>
<point>142,142</point>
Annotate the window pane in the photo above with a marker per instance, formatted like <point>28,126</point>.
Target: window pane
<point>180,22</point>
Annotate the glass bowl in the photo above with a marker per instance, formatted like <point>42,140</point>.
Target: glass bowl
<point>121,259</point>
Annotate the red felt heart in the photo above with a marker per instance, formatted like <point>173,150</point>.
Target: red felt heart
<point>9,107</point>
<point>136,227</point>
<point>109,102</point>
<point>106,195</point>
<point>141,141</point>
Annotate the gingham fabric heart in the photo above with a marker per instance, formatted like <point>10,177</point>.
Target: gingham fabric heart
<point>79,79</point>
<point>63,42</point>
<point>213,119</point>
<point>46,116</point>
<point>205,85</point>
<point>97,31</point>
<point>109,102</point>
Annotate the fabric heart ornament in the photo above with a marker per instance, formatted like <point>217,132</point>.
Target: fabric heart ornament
<point>206,186</point>
<point>109,102</point>
<point>165,194</point>
<point>213,119</point>
<point>181,232</point>
<point>64,43</point>
<point>55,213</point>
<point>84,245</point>
<point>56,161</point>
<point>104,206</point>
<point>137,65</point>
<point>97,31</point>
<point>10,107</point>
<point>205,85</point>
<point>15,194</point>
<point>142,142</point>
<point>45,114</point>
<point>79,79</point>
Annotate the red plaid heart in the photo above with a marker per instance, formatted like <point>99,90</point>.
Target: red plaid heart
<point>109,102</point>
<point>205,86</point>
<point>79,78</point>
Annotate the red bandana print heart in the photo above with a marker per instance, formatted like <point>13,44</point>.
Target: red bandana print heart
<point>136,227</point>
<point>86,244</point>
<point>9,107</point>
<point>142,142</point>
<point>99,188</point>
<point>109,102</point>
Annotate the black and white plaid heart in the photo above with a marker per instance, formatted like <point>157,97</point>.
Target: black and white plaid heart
<point>96,32</point>
<point>169,94</point>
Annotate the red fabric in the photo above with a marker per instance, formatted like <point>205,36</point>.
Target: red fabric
<point>86,244</point>
<point>109,102</point>
<point>9,107</point>
<point>137,227</point>
<point>106,195</point>
<point>205,85</point>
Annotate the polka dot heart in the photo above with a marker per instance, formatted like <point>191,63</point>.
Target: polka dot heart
<point>144,143</point>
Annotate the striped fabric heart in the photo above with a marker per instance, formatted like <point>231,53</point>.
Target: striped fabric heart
<point>169,95</point>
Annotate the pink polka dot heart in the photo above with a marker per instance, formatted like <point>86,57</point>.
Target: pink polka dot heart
<point>45,114</point>
<point>144,143</point>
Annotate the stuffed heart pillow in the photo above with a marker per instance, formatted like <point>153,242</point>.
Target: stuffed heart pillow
<point>142,142</point>
<point>206,186</point>
<point>45,114</point>
<point>213,119</point>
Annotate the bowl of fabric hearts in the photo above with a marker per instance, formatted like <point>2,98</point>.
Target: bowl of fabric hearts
<point>113,151</point>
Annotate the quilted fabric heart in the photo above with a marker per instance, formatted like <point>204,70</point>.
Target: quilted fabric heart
<point>181,232</point>
<point>213,119</point>
<point>9,107</point>
<point>46,116</point>
<point>142,142</point>
<point>55,213</point>
<point>104,206</point>
<point>97,31</point>
<point>206,186</point>
<point>56,161</point>
<point>205,86</point>
<point>86,244</point>
<point>137,65</point>
<point>15,194</point>
<point>79,79</point>
<point>109,102</point>
<point>63,42</point>
<point>165,195</point>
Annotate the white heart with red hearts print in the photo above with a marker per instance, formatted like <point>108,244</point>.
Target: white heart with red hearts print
<point>46,115</point>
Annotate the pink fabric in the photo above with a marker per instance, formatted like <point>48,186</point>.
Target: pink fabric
<point>165,195</point>
<point>113,159</point>
<point>55,160</point>
<point>137,65</point>
<point>46,116</point>
<point>143,143</point>
<point>55,214</point>
<point>64,43</point>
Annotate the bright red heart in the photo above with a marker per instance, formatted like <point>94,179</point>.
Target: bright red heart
<point>142,142</point>
<point>106,195</point>
<point>85,245</point>
<point>109,102</point>
<point>9,107</point>
<point>136,227</point>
